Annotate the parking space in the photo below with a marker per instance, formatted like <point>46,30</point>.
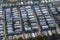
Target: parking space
<point>32,18</point>
<point>1,23</point>
<point>48,18</point>
<point>9,21</point>
<point>16,21</point>
<point>29,19</point>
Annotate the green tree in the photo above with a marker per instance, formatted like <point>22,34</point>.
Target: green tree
<point>39,37</point>
<point>20,38</point>
<point>53,36</point>
<point>15,39</point>
<point>29,38</point>
<point>44,37</point>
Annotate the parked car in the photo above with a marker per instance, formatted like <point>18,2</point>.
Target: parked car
<point>58,8</point>
<point>49,32</point>
<point>45,27</point>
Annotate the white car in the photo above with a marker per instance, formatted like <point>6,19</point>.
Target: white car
<point>8,10</point>
<point>33,23</point>
<point>45,27</point>
<point>50,22</point>
<point>0,7</point>
<point>25,23</point>
<point>22,3</point>
<point>55,12</point>
<point>1,11</point>
<point>49,32</point>
<point>41,17</point>
<point>27,35</point>
<point>9,31</point>
<point>24,15</point>
<point>31,19</point>
<point>42,20</point>
<point>36,8</point>
<point>35,27</point>
<point>1,26</point>
<point>42,23</point>
<point>35,2</point>
<point>32,16</point>
<point>27,28</point>
<point>52,25</point>
<point>48,16</point>
<point>18,30</point>
<point>9,28</point>
<point>53,31</point>
<point>25,19</point>
<point>58,31</point>
<point>42,1</point>
<point>38,12</point>
<point>31,2</point>
<point>58,8</point>
<point>28,2</point>
<point>18,26</point>
<point>53,9</point>
<point>14,9</point>
<point>49,19</point>
<point>33,34</point>
<point>45,33</point>
<point>17,22</point>
<point>28,7</point>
